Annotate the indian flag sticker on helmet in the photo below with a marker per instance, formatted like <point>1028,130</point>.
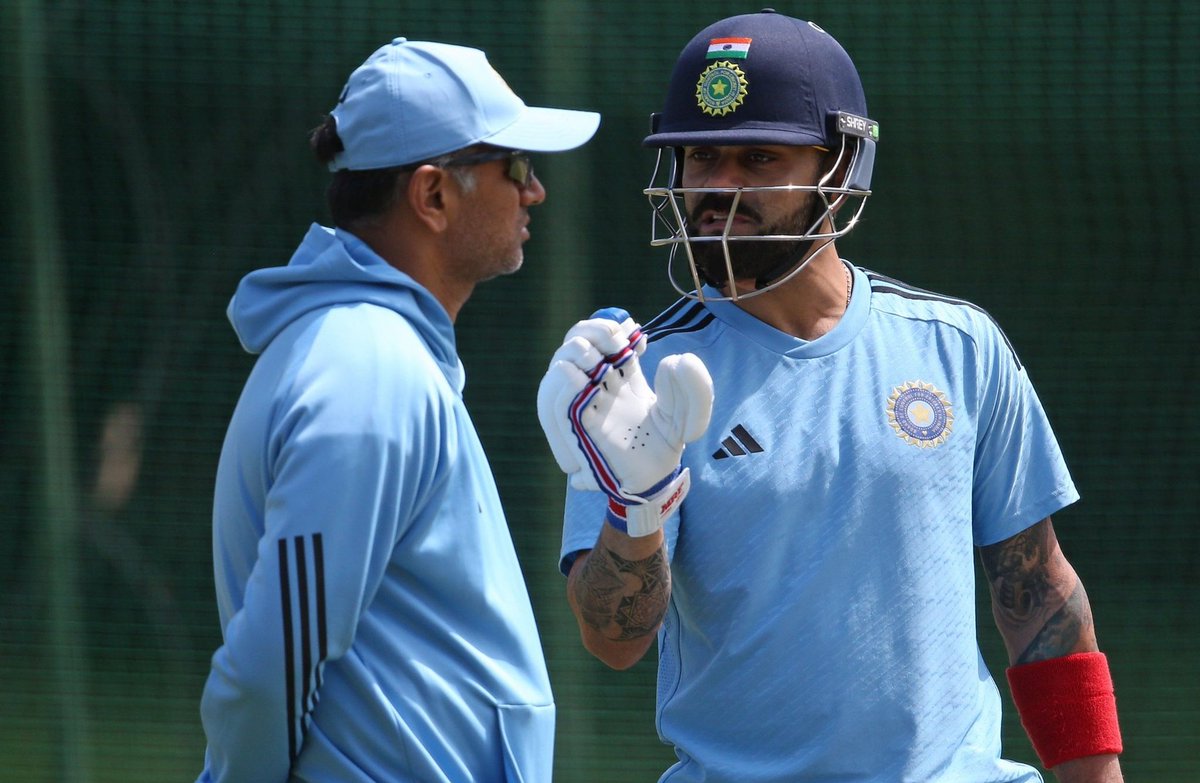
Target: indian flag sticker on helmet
<point>721,89</point>
<point>729,48</point>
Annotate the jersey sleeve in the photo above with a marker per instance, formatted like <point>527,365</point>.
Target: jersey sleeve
<point>347,467</point>
<point>583,516</point>
<point>1021,476</point>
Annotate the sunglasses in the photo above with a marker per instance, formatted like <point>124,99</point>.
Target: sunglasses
<point>520,167</point>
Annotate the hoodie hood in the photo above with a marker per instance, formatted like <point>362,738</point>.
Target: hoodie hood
<point>333,267</point>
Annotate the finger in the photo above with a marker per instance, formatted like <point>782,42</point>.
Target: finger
<point>609,337</point>
<point>580,352</point>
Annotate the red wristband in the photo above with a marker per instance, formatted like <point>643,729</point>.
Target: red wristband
<point>1067,707</point>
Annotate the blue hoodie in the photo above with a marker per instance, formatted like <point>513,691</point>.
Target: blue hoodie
<point>375,621</point>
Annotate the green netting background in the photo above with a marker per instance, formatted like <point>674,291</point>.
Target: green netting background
<point>1039,158</point>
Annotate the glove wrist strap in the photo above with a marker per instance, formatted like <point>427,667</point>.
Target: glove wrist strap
<point>646,515</point>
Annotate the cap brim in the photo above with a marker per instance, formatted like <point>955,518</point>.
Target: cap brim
<point>733,137</point>
<point>539,129</point>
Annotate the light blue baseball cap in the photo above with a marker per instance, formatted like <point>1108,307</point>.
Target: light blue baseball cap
<point>415,100</point>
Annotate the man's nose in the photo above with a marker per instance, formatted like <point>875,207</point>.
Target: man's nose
<point>534,192</point>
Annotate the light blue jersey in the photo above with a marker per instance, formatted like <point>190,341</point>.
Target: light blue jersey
<point>822,623</point>
<point>376,625</point>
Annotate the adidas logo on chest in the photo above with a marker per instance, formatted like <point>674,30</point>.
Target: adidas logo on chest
<point>739,443</point>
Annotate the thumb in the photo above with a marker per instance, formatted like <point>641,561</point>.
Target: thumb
<point>685,398</point>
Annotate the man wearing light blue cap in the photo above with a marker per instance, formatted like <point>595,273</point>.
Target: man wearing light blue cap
<point>375,623</point>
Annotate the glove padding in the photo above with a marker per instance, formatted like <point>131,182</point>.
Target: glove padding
<point>610,432</point>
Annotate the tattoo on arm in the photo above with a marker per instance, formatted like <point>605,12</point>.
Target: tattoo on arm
<point>1039,616</point>
<point>623,599</point>
<point>1016,568</point>
<point>1061,631</point>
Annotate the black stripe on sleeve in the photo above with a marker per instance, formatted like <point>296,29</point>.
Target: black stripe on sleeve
<point>289,664</point>
<point>302,592</point>
<point>302,589</point>
<point>319,567</point>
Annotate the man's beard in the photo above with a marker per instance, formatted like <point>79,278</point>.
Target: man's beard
<point>761,260</point>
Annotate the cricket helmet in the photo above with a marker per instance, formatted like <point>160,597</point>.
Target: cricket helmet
<point>762,79</point>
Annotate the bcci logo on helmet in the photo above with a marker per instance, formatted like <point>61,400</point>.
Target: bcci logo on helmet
<point>721,89</point>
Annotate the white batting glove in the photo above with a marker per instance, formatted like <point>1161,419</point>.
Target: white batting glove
<point>610,432</point>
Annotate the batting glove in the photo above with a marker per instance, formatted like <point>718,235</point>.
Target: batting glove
<point>610,432</point>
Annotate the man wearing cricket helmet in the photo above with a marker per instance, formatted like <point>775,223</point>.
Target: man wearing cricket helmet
<point>807,565</point>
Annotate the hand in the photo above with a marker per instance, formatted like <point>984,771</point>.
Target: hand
<point>1090,769</point>
<point>610,432</point>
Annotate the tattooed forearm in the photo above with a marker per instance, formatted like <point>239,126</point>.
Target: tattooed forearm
<point>1062,632</point>
<point>1038,602</point>
<point>623,599</point>
<point>1016,569</point>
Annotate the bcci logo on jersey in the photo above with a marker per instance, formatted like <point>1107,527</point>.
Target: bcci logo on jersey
<point>920,414</point>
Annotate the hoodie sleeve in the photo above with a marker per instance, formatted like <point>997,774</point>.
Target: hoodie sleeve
<point>352,453</point>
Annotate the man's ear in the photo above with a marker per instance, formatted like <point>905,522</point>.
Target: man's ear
<point>843,167</point>
<point>840,175</point>
<point>428,197</point>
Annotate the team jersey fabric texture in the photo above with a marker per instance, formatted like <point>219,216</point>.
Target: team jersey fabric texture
<point>822,622</point>
<point>375,621</point>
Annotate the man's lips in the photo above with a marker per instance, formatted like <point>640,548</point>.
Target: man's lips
<point>713,222</point>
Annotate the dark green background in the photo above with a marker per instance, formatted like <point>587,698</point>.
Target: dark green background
<point>1038,158</point>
